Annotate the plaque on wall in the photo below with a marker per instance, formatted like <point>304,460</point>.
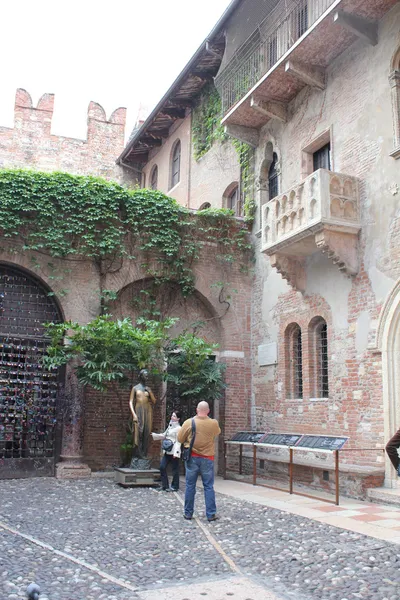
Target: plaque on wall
<point>247,436</point>
<point>267,354</point>
<point>281,439</point>
<point>322,442</point>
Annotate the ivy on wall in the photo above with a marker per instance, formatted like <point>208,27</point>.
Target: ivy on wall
<point>207,129</point>
<point>206,121</point>
<point>246,162</point>
<point>77,218</point>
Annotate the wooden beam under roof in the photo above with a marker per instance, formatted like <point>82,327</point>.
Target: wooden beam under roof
<point>173,113</point>
<point>150,141</point>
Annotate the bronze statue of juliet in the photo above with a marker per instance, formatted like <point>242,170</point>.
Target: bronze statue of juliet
<point>141,404</point>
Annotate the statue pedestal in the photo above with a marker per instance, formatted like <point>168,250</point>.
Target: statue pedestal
<point>133,477</point>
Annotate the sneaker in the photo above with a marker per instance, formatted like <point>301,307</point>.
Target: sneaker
<point>212,518</point>
<point>187,517</point>
<point>171,489</point>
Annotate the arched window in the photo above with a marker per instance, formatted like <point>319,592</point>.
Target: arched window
<point>235,202</point>
<point>294,362</point>
<point>318,336</point>
<point>205,205</point>
<point>154,178</point>
<point>394,80</point>
<point>176,164</point>
<point>273,178</point>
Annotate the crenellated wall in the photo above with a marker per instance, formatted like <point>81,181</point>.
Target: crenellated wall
<point>30,143</point>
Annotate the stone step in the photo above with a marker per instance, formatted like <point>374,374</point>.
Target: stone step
<point>384,496</point>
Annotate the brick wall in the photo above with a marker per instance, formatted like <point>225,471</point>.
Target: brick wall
<point>356,108</point>
<point>31,144</point>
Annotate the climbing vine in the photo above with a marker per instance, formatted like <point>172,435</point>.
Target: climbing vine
<point>206,121</point>
<point>246,158</point>
<point>207,129</point>
<point>77,218</point>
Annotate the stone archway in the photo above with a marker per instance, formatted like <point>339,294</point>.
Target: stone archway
<point>29,395</point>
<point>388,342</point>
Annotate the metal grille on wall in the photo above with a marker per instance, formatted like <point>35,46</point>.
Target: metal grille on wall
<point>280,26</point>
<point>28,392</point>
<point>322,358</point>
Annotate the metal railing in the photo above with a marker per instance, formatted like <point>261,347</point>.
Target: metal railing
<point>275,35</point>
<point>290,489</point>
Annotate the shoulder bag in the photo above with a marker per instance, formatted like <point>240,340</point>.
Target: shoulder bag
<point>187,452</point>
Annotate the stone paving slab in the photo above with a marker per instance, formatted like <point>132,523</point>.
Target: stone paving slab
<point>234,588</point>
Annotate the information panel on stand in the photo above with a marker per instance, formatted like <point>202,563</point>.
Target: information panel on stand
<point>247,436</point>
<point>281,439</point>
<point>322,442</point>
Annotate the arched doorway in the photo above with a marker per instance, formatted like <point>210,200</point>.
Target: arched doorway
<point>388,342</point>
<point>28,393</point>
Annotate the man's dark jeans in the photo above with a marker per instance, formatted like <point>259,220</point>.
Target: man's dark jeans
<point>391,449</point>
<point>165,461</point>
<point>204,467</point>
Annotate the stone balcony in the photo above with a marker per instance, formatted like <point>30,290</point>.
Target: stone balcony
<point>292,48</point>
<point>321,213</point>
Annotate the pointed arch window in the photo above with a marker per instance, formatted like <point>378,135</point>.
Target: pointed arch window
<point>273,177</point>
<point>294,362</point>
<point>176,164</point>
<point>319,379</point>
<point>154,178</point>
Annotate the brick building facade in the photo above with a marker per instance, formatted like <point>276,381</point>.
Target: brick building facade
<point>312,340</point>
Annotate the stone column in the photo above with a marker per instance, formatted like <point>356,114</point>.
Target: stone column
<point>71,465</point>
<point>394,80</point>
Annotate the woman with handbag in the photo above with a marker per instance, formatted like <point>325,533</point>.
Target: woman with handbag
<point>171,452</point>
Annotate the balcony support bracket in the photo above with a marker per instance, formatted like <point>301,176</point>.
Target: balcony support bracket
<point>244,134</point>
<point>292,269</point>
<point>313,76</point>
<point>341,248</point>
<point>272,110</point>
<point>362,28</point>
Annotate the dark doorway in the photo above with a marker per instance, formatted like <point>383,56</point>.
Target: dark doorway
<point>28,393</point>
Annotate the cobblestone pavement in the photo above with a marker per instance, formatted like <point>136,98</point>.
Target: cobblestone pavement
<point>90,539</point>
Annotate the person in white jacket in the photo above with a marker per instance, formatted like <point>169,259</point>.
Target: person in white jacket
<point>171,452</point>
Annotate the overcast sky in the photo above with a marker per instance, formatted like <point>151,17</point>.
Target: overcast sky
<point>119,53</point>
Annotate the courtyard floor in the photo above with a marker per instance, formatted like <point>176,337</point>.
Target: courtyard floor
<point>89,540</point>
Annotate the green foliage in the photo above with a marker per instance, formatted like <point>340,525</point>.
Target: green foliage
<point>191,369</point>
<point>76,218</point>
<point>206,121</point>
<point>107,351</point>
<point>246,157</point>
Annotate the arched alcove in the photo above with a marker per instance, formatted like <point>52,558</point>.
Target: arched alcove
<point>30,395</point>
<point>388,341</point>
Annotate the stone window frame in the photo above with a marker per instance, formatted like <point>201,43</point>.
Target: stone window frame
<point>394,80</point>
<point>262,181</point>
<point>177,145</point>
<point>294,381</point>
<point>317,356</point>
<point>227,195</point>
<point>154,172</point>
<point>307,152</point>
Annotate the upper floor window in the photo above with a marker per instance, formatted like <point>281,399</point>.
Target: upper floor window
<point>322,158</point>
<point>154,178</point>
<point>176,164</point>
<point>394,80</point>
<point>235,202</point>
<point>294,362</point>
<point>273,178</point>
<point>318,334</point>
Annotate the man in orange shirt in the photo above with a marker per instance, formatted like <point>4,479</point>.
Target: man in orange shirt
<point>201,461</point>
